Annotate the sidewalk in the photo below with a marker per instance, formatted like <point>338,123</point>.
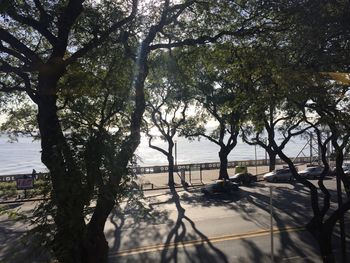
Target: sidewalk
<point>160,180</point>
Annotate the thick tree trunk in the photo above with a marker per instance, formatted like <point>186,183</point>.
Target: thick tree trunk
<point>171,181</point>
<point>321,232</point>
<point>272,160</point>
<point>66,182</point>
<point>95,245</point>
<point>170,158</point>
<point>323,235</point>
<point>339,174</point>
<point>223,175</point>
<point>326,250</point>
<point>325,243</point>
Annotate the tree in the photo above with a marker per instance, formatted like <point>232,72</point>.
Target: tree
<point>265,98</point>
<point>40,43</point>
<point>332,109</point>
<point>313,42</point>
<point>321,226</point>
<point>167,105</point>
<point>317,43</point>
<point>220,96</point>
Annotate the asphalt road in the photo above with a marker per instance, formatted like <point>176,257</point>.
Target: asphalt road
<point>185,226</point>
<point>188,227</point>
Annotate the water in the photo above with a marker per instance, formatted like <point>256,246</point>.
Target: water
<point>24,156</point>
<point>19,157</point>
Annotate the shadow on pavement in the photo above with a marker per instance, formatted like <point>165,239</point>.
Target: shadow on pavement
<point>291,208</point>
<point>179,234</point>
<point>172,241</point>
<point>15,245</point>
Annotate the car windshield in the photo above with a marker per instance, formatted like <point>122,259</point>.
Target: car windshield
<point>278,171</point>
<point>282,171</point>
<point>310,169</point>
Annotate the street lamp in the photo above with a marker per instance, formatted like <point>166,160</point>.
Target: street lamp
<point>175,153</point>
<point>256,162</point>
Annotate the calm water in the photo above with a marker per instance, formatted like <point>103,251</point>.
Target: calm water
<point>24,155</point>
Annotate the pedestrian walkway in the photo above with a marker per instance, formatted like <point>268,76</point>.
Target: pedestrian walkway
<point>160,180</point>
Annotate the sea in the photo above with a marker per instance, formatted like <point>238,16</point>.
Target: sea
<point>23,156</point>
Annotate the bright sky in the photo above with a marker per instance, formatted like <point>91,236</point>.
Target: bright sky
<point>2,118</point>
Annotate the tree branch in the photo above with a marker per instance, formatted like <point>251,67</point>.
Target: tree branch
<point>156,147</point>
<point>19,46</point>
<point>97,41</point>
<point>37,25</point>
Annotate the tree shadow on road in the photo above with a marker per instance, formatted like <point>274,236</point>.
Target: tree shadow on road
<point>179,234</point>
<point>173,242</point>
<point>16,244</point>
<point>137,224</point>
<point>291,208</point>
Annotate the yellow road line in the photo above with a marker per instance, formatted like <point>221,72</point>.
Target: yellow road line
<point>188,243</point>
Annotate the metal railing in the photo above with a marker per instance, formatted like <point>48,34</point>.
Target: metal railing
<point>177,168</point>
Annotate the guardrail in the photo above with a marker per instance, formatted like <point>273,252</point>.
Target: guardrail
<point>211,166</point>
<point>14,177</point>
<point>164,168</point>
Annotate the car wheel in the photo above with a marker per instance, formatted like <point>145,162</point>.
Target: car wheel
<point>274,180</point>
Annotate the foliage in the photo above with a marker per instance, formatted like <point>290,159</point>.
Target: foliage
<point>219,89</point>
<point>8,190</point>
<point>85,64</point>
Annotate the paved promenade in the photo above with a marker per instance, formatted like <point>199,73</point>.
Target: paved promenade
<point>160,180</point>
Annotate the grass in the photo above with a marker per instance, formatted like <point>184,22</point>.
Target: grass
<point>8,190</point>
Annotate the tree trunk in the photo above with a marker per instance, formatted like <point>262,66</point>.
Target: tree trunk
<point>95,245</point>
<point>223,175</point>
<point>272,160</point>
<point>171,181</point>
<point>323,235</point>
<point>339,174</point>
<point>325,243</point>
<point>66,182</point>
<point>321,232</point>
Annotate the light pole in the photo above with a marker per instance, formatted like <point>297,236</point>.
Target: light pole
<point>256,162</point>
<point>175,154</point>
<point>271,226</point>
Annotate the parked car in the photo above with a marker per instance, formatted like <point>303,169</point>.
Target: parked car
<point>311,172</point>
<point>279,175</point>
<point>346,168</point>
<point>220,187</point>
<point>243,178</point>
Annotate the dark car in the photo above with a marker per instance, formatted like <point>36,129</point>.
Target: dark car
<point>346,168</point>
<point>312,172</point>
<point>220,187</point>
<point>243,178</point>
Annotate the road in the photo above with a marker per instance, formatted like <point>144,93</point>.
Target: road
<point>185,226</point>
<point>188,227</point>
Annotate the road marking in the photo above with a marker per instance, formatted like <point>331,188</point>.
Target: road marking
<point>292,258</point>
<point>189,243</point>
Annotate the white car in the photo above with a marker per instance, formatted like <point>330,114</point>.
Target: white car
<point>279,175</point>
